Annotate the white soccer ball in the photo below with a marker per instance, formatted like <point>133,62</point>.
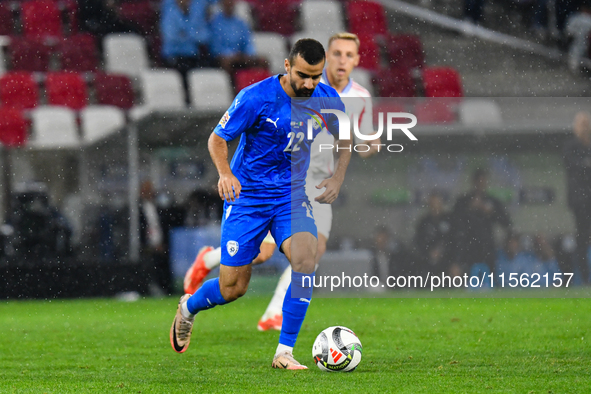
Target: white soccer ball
<point>337,349</point>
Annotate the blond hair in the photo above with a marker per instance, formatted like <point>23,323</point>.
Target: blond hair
<point>344,36</point>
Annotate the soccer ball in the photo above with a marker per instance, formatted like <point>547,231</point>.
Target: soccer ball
<point>337,349</point>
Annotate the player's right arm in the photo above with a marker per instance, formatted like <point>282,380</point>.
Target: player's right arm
<point>228,185</point>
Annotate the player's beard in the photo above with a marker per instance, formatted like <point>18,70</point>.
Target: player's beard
<point>303,92</point>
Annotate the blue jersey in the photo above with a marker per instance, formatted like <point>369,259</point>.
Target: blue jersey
<point>273,155</point>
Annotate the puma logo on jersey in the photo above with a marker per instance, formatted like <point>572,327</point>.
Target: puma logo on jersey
<point>275,122</point>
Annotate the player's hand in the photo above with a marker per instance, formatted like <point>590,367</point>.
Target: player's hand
<point>229,187</point>
<point>333,187</point>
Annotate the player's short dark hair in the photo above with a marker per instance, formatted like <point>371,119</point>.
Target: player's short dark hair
<point>309,49</point>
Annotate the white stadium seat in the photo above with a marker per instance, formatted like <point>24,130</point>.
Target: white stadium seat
<point>125,54</point>
<point>53,128</point>
<point>99,121</point>
<point>322,16</point>
<point>244,12</point>
<point>272,47</point>
<point>479,112</point>
<point>210,90</point>
<point>162,89</point>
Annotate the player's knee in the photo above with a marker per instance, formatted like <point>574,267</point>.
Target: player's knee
<point>232,293</point>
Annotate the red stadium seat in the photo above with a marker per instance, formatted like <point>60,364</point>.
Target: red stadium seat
<point>41,19</point>
<point>18,89</point>
<point>6,20</point>
<point>278,16</point>
<point>396,82</point>
<point>435,111</point>
<point>142,14</point>
<point>369,52</point>
<point>442,82</point>
<point>67,89</point>
<point>79,53</point>
<point>13,127</point>
<point>406,50</point>
<point>29,54</point>
<point>244,78</point>
<point>114,89</point>
<point>366,17</point>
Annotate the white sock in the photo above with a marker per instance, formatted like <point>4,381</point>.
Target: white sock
<point>276,304</point>
<point>185,311</point>
<point>212,259</point>
<point>283,348</point>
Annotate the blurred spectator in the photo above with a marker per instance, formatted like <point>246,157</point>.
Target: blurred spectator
<point>577,160</point>
<point>202,208</point>
<point>545,259</point>
<point>101,17</point>
<point>185,34</point>
<point>431,240</point>
<point>512,258</point>
<point>389,256</point>
<point>473,219</point>
<point>231,42</point>
<point>578,28</point>
<point>154,251</point>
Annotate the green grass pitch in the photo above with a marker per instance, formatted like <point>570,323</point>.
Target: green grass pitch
<point>420,345</point>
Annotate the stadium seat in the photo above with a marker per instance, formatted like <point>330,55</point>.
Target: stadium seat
<point>278,16</point>
<point>363,78</point>
<point>385,106</point>
<point>100,121</point>
<point>6,19</point>
<point>41,19</point>
<point>79,53</point>
<point>18,89</point>
<point>435,111</point>
<point>272,47</point>
<point>53,128</point>
<point>141,14</point>
<point>67,89</point>
<point>366,17</point>
<point>395,82</point>
<point>406,50</point>
<point>479,112</point>
<point>29,54</point>
<point>162,89</point>
<point>114,89</point>
<point>244,12</point>
<point>125,54</point>
<point>321,37</point>
<point>369,53</point>
<point>210,89</point>
<point>243,78</point>
<point>322,16</point>
<point>13,127</point>
<point>442,82</point>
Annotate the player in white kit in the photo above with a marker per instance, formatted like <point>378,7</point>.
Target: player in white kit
<point>342,56</point>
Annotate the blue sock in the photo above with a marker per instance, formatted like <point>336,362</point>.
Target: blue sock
<point>208,296</point>
<point>295,305</point>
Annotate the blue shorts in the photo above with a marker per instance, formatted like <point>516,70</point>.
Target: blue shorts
<point>245,227</point>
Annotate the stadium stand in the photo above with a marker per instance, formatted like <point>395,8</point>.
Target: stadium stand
<point>6,19</point>
<point>125,54</point>
<point>322,16</point>
<point>366,17</point>
<point>66,89</point>
<point>99,121</point>
<point>13,127</point>
<point>41,19</point>
<point>141,14</point>
<point>396,82</point>
<point>278,16</point>
<point>18,89</point>
<point>246,77</point>
<point>442,82</point>
<point>272,47</point>
<point>369,53</point>
<point>79,53</point>
<point>406,50</point>
<point>210,90</point>
<point>434,111</point>
<point>162,89</point>
<point>29,54</point>
<point>114,89</point>
<point>54,127</point>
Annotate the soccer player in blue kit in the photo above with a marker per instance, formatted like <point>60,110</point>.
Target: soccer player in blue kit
<point>263,190</point>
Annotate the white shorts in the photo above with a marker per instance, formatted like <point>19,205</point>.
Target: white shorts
<point>322,212</point>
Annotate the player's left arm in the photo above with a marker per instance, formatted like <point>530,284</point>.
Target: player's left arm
<point>333,184</point>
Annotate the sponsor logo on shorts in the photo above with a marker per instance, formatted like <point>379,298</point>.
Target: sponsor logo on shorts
<point>232,247</point>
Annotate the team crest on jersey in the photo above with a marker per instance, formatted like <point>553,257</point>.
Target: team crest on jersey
<point>224,119</point>
<point>232,247</point>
